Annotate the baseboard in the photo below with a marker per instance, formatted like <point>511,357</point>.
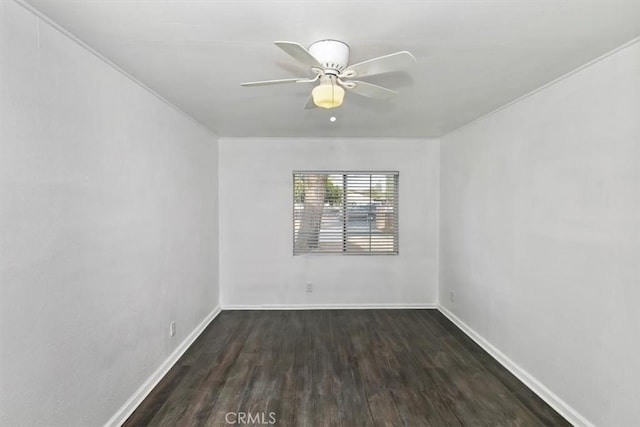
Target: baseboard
<point>127,409</point>
<point>562,407</point>
<point>329,306</point>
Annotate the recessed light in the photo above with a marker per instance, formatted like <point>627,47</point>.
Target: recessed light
<point>332,118</point>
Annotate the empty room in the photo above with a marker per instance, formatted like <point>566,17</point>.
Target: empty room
<point>319,213</point>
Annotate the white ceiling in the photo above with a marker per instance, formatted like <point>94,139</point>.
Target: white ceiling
<point>473,56</point>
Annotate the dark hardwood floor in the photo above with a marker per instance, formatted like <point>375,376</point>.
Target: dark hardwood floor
<point>339,368</point>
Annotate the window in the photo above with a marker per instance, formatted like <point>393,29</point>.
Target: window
<point>345,212</point>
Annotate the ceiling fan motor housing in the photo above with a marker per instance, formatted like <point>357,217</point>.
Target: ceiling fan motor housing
<point>332,54</point>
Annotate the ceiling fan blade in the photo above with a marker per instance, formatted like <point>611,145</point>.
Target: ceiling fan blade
<point>310,104</point>
<point>369,90</point>
<point>300,54</point>
<point>273,82</point>
<point>382,64</point>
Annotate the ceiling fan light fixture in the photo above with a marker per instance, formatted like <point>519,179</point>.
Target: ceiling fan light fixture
<point>328,61</point>
<point>328,94</point>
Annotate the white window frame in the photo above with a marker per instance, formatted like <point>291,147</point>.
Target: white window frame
<point>345,250</point>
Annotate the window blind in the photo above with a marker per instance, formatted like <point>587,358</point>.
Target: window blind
<point>345,212</point>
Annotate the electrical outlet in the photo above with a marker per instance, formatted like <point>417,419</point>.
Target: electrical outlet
<point>452,296</point>
<point>308,287</point>
<point>172,328</point>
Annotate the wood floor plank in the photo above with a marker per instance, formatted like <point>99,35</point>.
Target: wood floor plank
<point>207,386</point>
<point>383,409</point>
<point>340,368</point>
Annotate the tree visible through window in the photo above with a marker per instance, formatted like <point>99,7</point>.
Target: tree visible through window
<point>345,212</point>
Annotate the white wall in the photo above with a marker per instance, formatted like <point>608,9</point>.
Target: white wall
<point>540,235</point>
<point>256,262</point>
<point>108,229</point>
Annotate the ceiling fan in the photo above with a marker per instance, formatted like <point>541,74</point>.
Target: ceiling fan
<point>328,61</point>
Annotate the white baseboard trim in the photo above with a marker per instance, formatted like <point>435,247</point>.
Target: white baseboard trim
<point>562,407</point>
<point>330,306</point>
<point>134,401</point>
